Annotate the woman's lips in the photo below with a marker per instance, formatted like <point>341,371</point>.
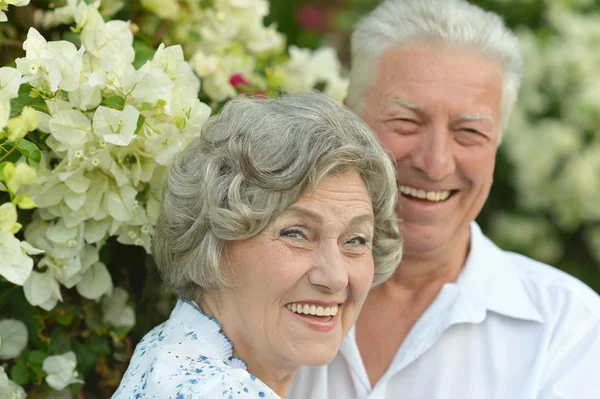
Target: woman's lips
<point>317,318</point>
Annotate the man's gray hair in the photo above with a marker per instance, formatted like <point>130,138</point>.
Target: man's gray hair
<point>449,22</point>
<point>250,163</point>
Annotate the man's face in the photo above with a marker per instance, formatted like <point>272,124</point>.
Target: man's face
<point>437,112</point>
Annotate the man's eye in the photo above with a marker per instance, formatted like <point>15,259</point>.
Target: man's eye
<point>406,120</point>
<point>470,130</point>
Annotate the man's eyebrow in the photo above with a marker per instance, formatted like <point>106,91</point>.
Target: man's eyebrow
<point>475,117</point>
<point>408,104</point>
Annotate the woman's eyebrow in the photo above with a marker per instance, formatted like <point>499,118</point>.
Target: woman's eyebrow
<point>304,212</point>
<point>366,217</point>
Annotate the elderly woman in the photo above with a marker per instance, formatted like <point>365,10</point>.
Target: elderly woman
<point>275,223</point>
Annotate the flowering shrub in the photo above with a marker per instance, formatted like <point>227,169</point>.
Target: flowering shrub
<point>98,99</point>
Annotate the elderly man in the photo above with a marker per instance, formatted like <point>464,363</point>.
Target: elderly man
<point>460,318</point>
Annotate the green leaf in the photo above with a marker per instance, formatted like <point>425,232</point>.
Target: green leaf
<point>59,341</point>
<point>20,374</point>
<point>143,53</point>
<point>140,123</point>
<point>86,359</point>
<point>99,345</point>
<point>31,152</point>
<point>147,106</point>
<point>25,99</point>
<point>115,102</point>
<point>64,319</point>
<point>36,357</point>
<point>12,157</point>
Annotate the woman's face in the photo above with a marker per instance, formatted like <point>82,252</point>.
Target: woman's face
<point>300,283</point>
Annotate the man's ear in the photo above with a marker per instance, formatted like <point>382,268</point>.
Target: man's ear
<point>346,101</point>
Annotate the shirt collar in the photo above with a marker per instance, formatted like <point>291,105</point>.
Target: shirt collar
<point>491,282</point>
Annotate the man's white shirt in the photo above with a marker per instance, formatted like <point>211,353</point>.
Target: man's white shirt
<point>509,328</point>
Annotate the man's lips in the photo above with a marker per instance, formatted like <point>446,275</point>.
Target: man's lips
<point>434,196</point>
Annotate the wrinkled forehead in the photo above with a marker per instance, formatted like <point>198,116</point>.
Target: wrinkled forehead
<point>420,77</point>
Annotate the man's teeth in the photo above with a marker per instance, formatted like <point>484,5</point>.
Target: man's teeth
<point>435,196</point>
<point>312,309</point>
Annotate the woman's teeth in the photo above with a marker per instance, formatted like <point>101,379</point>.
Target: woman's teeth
<point>312,309</point>
<point>435,196</point>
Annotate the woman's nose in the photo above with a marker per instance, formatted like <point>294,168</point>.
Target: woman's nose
<point>329,272</point>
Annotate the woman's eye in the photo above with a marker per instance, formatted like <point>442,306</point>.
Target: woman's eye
<point>292,233</point>
<point>358,240</point>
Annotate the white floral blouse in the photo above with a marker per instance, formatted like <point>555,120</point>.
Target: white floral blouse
<point>189,357</point>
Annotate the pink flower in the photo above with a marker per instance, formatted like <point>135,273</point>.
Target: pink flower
<point>313,17</point>
<point>238,79</point>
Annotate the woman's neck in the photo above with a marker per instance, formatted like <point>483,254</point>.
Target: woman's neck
<point>275,375</point>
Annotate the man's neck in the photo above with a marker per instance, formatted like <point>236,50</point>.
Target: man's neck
<point>393,308</point>
<point>422,269</point>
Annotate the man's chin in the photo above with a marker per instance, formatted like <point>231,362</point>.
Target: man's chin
<point>420,239</point>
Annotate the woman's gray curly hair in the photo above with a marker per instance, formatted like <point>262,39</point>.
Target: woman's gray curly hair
<point>250,163</point>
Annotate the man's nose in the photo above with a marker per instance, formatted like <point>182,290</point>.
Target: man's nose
<point>433,154</point>
<point>329,272</point>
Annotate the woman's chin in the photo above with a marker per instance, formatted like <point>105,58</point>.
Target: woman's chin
<point>317,357</point>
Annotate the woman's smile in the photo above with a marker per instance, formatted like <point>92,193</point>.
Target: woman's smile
<point>319,317</point>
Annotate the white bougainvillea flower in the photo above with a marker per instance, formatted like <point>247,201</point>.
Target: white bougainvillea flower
<point>4,7</point>
<point>4,112</point>
<point>265,40</point>
<point>115,310</point>
<point>10,81</point>
<point>120,202</point>
<point>13,336</point>
<point>83,14</point>
<point>70,127</point>
<point>10,389</point>
<point>152,85</point>
<point>61,370</point>
<point>86,97</point>
<point>108,43</point>
<point>114,126</point>
<point>171,61</point>
<point>204,64</point>
<point>42,289</point>
<point>95,282</point>
<point>15,264</point>
<point>131,165</point>
<point>66,271</point>
<point>49,66</point>
<point>325,63</point>
<point>190,114</point>
<point>218,87</point>
<point>298,71</point>
<point>165,145</point>
<point>336,88</point>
